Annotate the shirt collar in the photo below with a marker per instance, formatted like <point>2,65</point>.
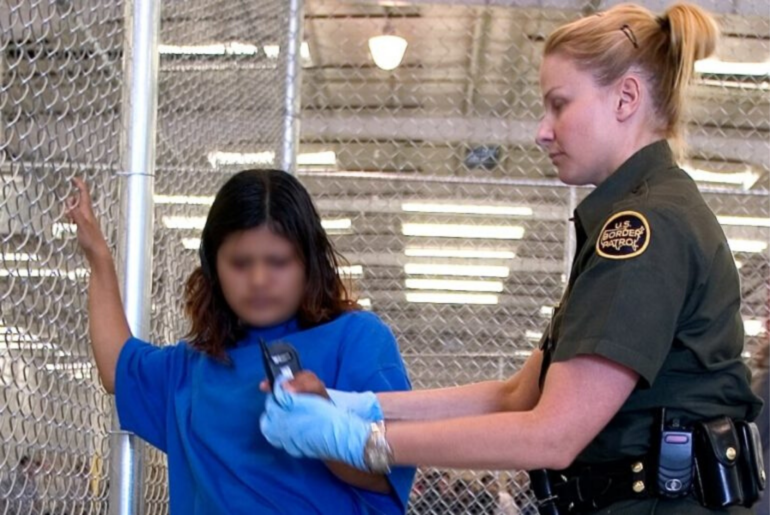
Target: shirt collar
<point>271,333</point>
<point>598,205</point>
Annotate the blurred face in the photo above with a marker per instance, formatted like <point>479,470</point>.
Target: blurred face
<point>578,127</point>
<point>261,275</point>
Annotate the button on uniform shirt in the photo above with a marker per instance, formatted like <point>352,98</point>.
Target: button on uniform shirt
<point>654,287</point>
<point>205,415</point>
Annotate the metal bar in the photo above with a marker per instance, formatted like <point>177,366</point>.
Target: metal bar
<point>287,157</point>
<point>136,223</point>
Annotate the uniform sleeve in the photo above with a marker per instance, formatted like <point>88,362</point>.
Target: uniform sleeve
<point>370,361</point>
<point>142,379</point>
<point>625,306</point>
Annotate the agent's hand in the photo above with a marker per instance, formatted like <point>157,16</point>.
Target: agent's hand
<point>362,404</point>
<point>307,426</point>
<point>79,210</point>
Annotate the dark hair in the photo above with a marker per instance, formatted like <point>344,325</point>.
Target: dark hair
<point>248,200</point>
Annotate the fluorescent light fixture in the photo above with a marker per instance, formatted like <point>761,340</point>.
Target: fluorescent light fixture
<point>339,224</point>
<point>466,209</point>
<point>191,243</point>
<point>454,285</point>
<point>464,270</point>
<point>353,271</point>
<point>18,257</point>
<point>459,253</point>
<point>754,326</point>
<point>218,158</point>
<point>199,222</point>
<point>304,52</point>
<point>60,230</point>
<point>746,221</point>
<point>230,48</point>
<point>546,311</point>
<point>746,179</point>
<point>76,370</point>
<point>184,200</point>
<point>495,232</point>
<point>715,66</point>
<point>450,298</point>
<point>365,303</point>
<point>75,274</point>
<point>272,51</point>
<point>533,335</point>
<point>16,335</point>
<point>738,264</point>
<point>323,158</point>
<point>748,246</point>
<point>184,222</point>
<point>387,51</point>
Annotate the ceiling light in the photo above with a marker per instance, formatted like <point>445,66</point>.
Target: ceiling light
<point>754,326</point>
<point>497,232</point>
<point>352,271</point>
<point>323,158</point>
<point>450,298</point>
<point>199,222</point>
<point>533,335</point>
<point>744,220</point>
<point>218,158</point>
<point>746,179</point>
<point>715,66</point>
<point>546,311</point>
<point>230,48</point>
<point>191,243</point>
<point>15,334</point>
<point>365,303</point>
<point>749,246</point>
<point>459,253</point>
<point>340,224</point>
<point>184,200</point>
<point>60,230</point>
<point>304,53</point>
<point>454,285</point>
<point>272,51</point>
<point>184,222</point>
<point>467,209</point>
<point>387,50</point>
<point>78,273</point>
<point>18,256</point>
<point>465,270</point>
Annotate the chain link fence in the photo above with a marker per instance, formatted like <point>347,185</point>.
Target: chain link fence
<point>60,99</point>
<point>427,177</point>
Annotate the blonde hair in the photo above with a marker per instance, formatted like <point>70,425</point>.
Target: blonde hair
<point>663,48</point>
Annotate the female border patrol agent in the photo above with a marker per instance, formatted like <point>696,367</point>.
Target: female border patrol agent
<point>638,396</point>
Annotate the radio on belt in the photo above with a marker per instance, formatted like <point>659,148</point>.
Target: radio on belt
<point>280,358</point>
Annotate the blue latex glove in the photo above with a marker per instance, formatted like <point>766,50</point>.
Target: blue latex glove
<point>309,426</point>
<point>363,404</point>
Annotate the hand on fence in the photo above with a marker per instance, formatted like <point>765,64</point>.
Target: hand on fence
<point>80,211</point>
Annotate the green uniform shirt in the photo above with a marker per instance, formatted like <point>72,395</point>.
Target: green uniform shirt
<point>654,288</point>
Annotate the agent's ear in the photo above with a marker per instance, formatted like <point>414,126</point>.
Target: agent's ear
<point>628,95</point>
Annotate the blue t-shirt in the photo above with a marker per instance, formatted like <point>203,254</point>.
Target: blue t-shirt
<point>205,415</point>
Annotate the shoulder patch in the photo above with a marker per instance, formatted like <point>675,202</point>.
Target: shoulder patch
<point>626,235</point>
